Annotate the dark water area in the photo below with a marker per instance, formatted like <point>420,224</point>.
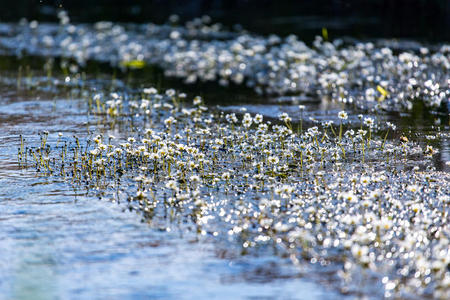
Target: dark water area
<point>426,20</point>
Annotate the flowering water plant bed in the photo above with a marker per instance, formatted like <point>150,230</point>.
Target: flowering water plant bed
<point>334,173</point>
<point>344,200</point>
<point>383,75</point>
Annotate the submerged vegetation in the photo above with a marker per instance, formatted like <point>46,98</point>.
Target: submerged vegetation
<point>352,199</point>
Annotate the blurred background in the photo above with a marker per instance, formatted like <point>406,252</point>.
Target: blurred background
<point>425,20</point>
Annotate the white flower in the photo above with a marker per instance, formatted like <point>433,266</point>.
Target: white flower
<point>342,115</point>
<point>247,120</point>
<point>95,152</point>
<point>198,100</point>
<point>369,122</point>
<point>172,184</point>
<point>231,118</point>
<point>389,124</point>
<point>258,118</point>
<point>273,160</point>
<point>365,180</point>
<point>194,178</point>
<point>169,121</point>
<point>151,90</point>
<point>359,251</point>
<point>284,117</point>
<point>348,196</point>
<point>170,92</point>
<point>413,188</point>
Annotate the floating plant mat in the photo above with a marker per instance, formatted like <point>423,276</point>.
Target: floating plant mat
<point>343,201</point>
<point>379,75</point>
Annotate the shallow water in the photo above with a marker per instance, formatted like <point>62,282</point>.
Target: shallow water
<point>58,243</point>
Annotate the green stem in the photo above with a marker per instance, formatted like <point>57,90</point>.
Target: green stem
<point>384,140</point>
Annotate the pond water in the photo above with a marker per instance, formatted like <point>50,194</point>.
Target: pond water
<point>61,239</point>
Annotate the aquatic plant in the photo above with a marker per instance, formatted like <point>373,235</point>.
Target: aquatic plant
<point>369,210</point>
<point>382,75</point>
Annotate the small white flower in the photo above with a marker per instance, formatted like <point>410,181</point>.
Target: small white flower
<point>342,115</point>
<point>151,90</point>
<point>172,184</point>
<point>369,122</point>
<point>273,160</point>
<point>285,117</point>
<point>198,100</point>
<point>390,125</point>
<point>258,119</point>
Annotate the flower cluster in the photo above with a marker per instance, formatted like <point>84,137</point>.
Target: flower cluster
<point>356,204</point>
<point>369,75</point>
